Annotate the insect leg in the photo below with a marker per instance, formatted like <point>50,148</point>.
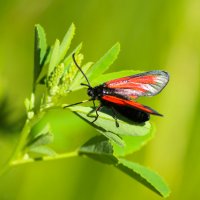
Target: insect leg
<point>76,103</point>
<point>97,114</point>
<point>115,117</point>
<point>93,103</point>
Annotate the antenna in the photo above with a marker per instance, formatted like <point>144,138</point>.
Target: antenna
<point>73,56</point>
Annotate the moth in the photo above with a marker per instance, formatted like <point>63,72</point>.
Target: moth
<point>120,94</point>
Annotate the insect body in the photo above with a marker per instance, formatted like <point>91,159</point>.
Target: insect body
<point>120,94</point>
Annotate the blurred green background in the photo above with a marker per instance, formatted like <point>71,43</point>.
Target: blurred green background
<point>153,35</point>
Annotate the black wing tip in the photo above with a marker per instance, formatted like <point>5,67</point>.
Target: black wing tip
<point>158,114</point>
<point>153,112</point>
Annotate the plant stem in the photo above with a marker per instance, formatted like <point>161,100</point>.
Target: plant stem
<point>16,156</point>
<point>45,158</point>
<point>17,152</point>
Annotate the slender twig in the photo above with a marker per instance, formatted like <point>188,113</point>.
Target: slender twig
<point>18,150</point>
<point>24,133</point>
<point>45,158</point>
<point>16,157</point>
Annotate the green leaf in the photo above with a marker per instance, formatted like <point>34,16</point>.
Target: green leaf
<point>104,63</point>
<point>106,126</point>
<point>98,148</point>
<point>40,135</point>
<point>145,176</point>
<point>113,75</point>
<point>116,139</point>
<point>54,60</point>
<point>38,143</point>
<point>133,143</point>
<point>40,140</point>
<point>43,150</point>
<point>65,44</point>
<point>39,129</point>
<point>107,122</point>
<point>40,49</point>
<point>68,59</point>
<point>66,62</point>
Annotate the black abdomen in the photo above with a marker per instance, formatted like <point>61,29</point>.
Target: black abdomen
<point>130,113</point>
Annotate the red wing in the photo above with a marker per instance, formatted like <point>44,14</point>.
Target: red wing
<point>144,84</point>
<point>129,103</point>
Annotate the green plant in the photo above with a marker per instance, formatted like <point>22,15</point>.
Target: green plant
<point>55,70</point>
